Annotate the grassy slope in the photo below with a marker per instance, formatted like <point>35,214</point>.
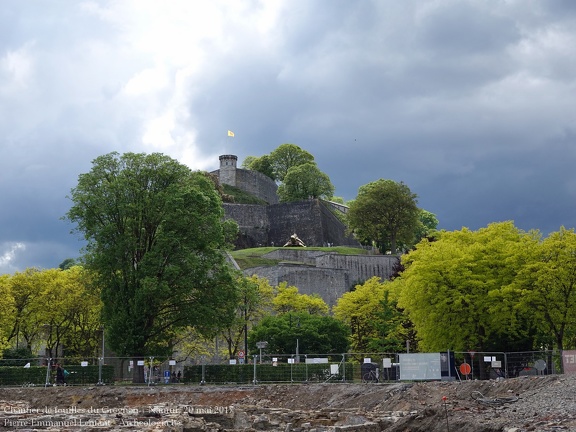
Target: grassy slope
<point>248,258</point>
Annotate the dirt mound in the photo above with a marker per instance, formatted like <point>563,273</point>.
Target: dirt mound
<point>513,405</point>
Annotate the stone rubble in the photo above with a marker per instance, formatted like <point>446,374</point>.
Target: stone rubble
<point>515,405</point>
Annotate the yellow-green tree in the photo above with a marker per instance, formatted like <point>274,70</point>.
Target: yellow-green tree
<point>55,308</point>
<point>6,311</point>
<point>452,290</point>
<point>26,325</point>
<point>371,312</point>
<point>546,286</point>
<point>83,309</point>
<point>289,300</point>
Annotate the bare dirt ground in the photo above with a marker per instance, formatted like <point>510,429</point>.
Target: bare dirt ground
<point>513,405</point>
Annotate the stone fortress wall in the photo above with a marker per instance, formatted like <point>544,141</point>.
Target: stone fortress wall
<point>329,275</point>
<point>273,225</point>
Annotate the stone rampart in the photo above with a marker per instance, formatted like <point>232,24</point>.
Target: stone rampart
<point>330,284</point>
<point>273,225</point>
<point>330,277</point>
<point>360,267</point>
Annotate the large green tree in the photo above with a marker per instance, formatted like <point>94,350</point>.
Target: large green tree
<point>303,182</point>
<point>384,212</point>
<point>287,156</point>
<point>155,238</point>
<point>314,334</point>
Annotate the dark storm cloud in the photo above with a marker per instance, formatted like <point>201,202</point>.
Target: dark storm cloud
<point>467,102</point>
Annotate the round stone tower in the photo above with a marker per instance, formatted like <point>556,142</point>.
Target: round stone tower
<point>228,169</point>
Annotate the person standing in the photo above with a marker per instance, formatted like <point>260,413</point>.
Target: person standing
<point>60,379</point>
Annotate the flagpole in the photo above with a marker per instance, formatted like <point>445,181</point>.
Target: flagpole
<point>230,135</point>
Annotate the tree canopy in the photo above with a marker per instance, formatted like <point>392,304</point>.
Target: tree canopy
<point>262,164</point>
<point>289,300</point>
<point>546,286</point>
<point>315,334</point>
<point>287,156</point>
<point>155,238</point>
<point>55,308</point>
<point>371,312</point>
<point>453,290</point>
<point>255,302</point>
<point>303,182</point>
<point>384,212</point>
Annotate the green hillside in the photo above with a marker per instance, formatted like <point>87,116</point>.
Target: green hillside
<point>248,258</point>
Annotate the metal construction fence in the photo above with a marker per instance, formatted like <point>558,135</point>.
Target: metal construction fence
<point>270,368</point>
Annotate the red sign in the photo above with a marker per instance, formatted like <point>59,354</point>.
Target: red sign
<point>465,369</point>
<point>240,354</point>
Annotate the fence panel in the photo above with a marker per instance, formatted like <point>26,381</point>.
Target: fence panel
<point>268,368</point>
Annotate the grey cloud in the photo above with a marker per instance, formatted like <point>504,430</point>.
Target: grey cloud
<point>469,103</point>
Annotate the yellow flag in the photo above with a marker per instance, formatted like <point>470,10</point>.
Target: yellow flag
<point>230,133</point>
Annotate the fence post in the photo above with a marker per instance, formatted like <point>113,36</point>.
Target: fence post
<point>48,372</point>
<point>255,361</point>
<point>203,380</point>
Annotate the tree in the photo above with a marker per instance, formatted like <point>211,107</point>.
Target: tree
<point>262,164</point>
<point>255,295</point>
<point>56,308</point>
<point>453,290</point>
<point>67,263</point>
<point>155,235</point>
<point>546,286</point>
<point>375,321</point>
<point>386,213</point>
<point>289,300</point>
<point>314,334</point>
<point>83,309</point>
<point>287,156</point>
<point>6,311</point>
<point>427,224</point>
<point>303,182</point>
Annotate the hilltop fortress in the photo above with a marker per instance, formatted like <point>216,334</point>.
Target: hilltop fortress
<point>314,272</point>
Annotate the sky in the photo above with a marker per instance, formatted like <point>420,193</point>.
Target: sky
<point>471,103</point>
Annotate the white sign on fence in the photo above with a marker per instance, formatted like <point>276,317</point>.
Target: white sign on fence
<point>420,367</point>
<point>316,360</point>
